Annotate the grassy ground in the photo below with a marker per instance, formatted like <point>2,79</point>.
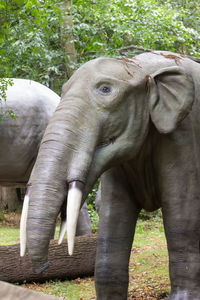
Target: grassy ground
<point>148,266</point>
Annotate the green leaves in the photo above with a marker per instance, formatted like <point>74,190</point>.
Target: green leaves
<point>30,35</point>
<point>29,42</point>
<point>29,39</point>
<point>107,25</point>
<point>5,113</point>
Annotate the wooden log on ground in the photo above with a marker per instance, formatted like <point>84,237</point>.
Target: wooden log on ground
<point>14,268</point>
<point>12,292</point>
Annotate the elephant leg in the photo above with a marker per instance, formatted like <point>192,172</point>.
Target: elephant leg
<point>118,216</point>
<point>53,231</point>
<point>183,241</point>
<point>98,199</point>
<point>181,215</point>
<point>84,225</point>
<point>178,181</point>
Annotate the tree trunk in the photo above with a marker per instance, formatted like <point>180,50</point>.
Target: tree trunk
<point>62,266</point>
<point>67,38</point>
<point>9,198</point>
<point>13,292</point>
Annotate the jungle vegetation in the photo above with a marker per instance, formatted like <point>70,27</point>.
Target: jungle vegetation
<point>36,35</point>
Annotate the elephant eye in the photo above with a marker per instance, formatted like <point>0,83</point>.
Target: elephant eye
<point>105,90</point>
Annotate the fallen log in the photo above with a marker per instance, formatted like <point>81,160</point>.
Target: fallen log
<point>14,268</point>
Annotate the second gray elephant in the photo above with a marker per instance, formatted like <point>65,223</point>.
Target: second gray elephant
<point>33,104</point>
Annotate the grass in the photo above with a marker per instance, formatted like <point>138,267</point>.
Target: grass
<point>148,271</point>
<point>9,236</point>
<point>148,268</point>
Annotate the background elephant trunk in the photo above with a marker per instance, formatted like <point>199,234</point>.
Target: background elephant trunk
<point>63,157</point>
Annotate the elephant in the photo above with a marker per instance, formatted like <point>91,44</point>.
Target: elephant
<point>135,123</point>
<point>33,104</point>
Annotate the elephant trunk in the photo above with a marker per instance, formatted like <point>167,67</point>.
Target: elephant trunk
<point>64,158</point>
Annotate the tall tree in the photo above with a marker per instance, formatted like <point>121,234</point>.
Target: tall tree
<point>67,38</point>
<point>9,198</point>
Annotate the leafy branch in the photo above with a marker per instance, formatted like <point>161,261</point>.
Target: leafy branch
<point>4,112</point>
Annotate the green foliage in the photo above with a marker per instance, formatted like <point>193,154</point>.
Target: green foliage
<point>109,25</point>
<point>29,40</point>
<point>4,83</point>
<point>94,218</point>
<point>5,113</point>
<point>29,45</point>
<point>2,218</point>
<point>30,35</point>
<point>91,197</point>
<point>144,215</point>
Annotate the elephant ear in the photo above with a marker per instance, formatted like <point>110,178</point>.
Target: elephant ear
<point>171,95</point>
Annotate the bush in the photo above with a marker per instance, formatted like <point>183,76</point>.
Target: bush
<point>2,218</point>
<point>145,215</point>
<point>94,218</point>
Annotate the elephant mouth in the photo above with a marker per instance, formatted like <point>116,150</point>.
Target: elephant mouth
<point>107,142</point>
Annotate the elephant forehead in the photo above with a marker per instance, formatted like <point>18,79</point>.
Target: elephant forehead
<point>122,69</point>
<point>118,68</point>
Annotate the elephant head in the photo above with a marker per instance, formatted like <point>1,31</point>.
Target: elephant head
<point>102,120</point>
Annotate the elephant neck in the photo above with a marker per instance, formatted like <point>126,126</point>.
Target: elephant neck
<point>141,175</point>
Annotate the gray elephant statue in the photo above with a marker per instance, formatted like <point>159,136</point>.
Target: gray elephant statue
<point>33,104</point>
<point>134,122</point>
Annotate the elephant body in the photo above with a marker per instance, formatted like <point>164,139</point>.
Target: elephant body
<point>33,104</point>
<point>134,122</point>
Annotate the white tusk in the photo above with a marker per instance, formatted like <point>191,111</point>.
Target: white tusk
<point>23,222</point>
<point>73,208</point>
<point>63,230</point>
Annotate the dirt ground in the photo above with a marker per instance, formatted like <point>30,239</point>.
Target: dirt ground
<point>11,219</point>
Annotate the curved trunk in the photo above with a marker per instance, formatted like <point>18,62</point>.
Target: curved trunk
<point>64,156</point>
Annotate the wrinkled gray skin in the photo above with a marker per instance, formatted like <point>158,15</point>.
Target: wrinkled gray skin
<point>137,123</point>
<point>34,104</point>
<point>98,199</point>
